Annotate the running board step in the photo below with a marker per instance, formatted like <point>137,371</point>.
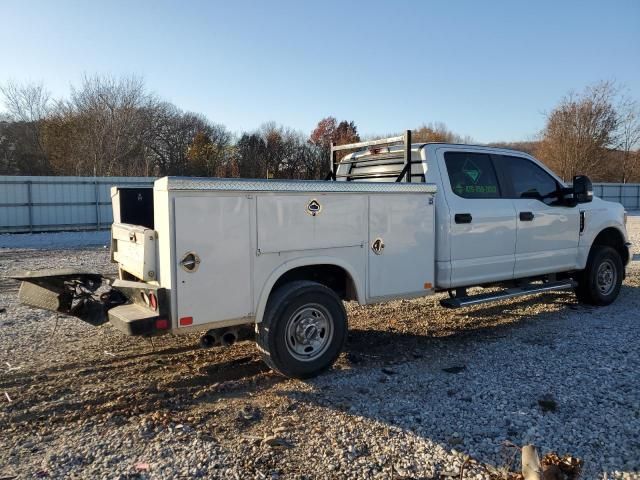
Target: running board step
<point>466,301</point>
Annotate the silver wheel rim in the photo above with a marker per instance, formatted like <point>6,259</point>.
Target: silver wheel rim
<point>309,332</point>
<point>606,277</point>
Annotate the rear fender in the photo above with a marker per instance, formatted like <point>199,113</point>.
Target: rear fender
<point>302,262</point>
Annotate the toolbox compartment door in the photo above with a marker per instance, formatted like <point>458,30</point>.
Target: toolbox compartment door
<point>287,222</point>
<point>401,245</point>
<point>216,231</point>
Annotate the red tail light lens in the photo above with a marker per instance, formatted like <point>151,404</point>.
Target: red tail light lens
<point>153,301</point>
<point>162,324</point>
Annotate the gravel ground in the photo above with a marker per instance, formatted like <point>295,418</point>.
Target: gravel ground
<point>418,389</point>
<point>55,240</point>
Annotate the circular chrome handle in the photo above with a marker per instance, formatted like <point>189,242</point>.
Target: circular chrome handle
<point>377,246</point>
<point>190,262</point>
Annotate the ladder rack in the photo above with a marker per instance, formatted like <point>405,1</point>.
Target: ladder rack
<point>405,173</point>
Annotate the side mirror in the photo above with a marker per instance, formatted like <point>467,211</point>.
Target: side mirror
<point>582,189</point>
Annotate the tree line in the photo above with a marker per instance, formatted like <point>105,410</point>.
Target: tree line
<point>115,127</point>
<point>594,132</point>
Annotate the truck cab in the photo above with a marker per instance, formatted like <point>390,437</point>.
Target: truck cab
<point>501,215</point>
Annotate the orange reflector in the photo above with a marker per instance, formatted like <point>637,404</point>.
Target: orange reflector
<point>186,321</point>
<point>428,286</point>
<point>162,324</point>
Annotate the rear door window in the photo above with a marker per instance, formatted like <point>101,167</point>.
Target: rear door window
<point>472,175</point>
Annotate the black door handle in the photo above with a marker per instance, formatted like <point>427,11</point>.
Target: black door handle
<point>526,216</point>
<point>463,218</point>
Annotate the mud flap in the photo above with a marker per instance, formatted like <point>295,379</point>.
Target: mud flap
<point>70,292</point>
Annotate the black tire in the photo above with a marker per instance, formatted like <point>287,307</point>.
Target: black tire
<point>296,313</point>
<point>599,283</point>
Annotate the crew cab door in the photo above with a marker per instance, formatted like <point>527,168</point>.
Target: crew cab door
<point>548,230</point>
<point>482,224</point>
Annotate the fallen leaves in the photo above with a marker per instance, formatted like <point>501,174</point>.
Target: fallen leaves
<point>568,467</point>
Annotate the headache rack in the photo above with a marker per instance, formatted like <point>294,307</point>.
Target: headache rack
<point>362,168</point>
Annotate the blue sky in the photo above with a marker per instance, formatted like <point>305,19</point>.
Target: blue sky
<point>487,69</point>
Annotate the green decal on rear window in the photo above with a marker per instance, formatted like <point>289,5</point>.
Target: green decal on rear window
<point>471,170</point>
<point>472,175</point>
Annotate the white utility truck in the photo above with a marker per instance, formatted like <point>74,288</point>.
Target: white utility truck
<point>392,220</point>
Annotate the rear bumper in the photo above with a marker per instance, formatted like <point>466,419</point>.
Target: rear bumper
<point>134,308</point>
<point>139,317</point>
<point>132,319</point>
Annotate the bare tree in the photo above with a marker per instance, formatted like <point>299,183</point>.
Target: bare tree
<point>210,153</point>
<point>580,130</point>
<point>110,126</point>
<point>27,102</point>
<point>27,105</point>
<point>628,138</point>
<point>437,132</point>
<point>281,143</point>
<point>278,152</point>
<point>314,162</point>
<point>251,156</point>
<point>112,112</point>
<point>171,133</point>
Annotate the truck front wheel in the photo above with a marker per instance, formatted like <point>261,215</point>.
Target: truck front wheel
<point>599,283</point>
<point>303,330</point>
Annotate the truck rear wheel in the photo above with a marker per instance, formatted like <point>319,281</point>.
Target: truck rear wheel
<point>304,329</point>
<point>600,282</point>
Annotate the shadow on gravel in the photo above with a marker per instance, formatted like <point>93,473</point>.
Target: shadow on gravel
<point>93,365</point>
<point>366,346</point>
<point>156,384</point>
<point>532,380</point>
<point>234,370</point>
<point>143,379</point>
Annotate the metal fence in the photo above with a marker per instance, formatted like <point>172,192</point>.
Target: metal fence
<point>628,194</point>
<point>44,204</point>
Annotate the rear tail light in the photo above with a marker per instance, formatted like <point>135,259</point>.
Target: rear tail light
<point>153,301</point>
<point>162,324</point>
